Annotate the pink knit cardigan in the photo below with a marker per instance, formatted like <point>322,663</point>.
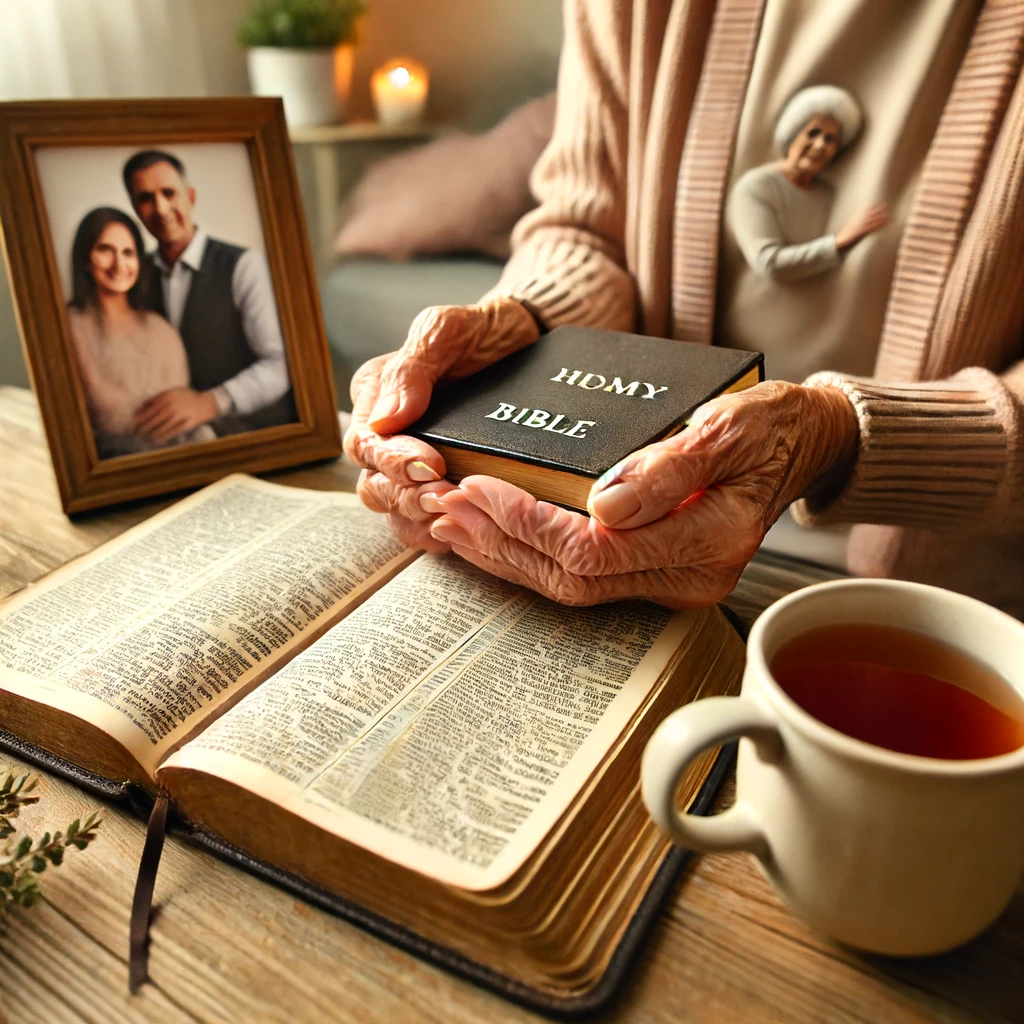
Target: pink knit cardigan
<point>626,236</point>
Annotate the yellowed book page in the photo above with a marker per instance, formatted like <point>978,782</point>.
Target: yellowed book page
<point>448,722</point>
<point>152,633</point>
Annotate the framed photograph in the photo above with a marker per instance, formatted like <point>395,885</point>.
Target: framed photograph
<point>165,292</point>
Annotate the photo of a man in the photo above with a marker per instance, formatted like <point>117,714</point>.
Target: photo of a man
<point>220,298</point>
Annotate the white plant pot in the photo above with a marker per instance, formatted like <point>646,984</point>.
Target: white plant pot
<point>314,84</point>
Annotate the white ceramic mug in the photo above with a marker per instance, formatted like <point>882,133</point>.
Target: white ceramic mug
<point>887,852</point>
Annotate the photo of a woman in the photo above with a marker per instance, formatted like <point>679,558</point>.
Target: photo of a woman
<point>126,354</point>
<point>779,212</point>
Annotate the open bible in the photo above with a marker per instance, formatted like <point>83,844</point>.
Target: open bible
<point>454,754</point>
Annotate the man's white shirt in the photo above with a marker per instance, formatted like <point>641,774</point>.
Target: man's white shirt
<point>252,293</point>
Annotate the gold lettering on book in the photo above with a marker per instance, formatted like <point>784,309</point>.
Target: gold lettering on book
<point>581,379</point>
<point>623,389</point>
<point>539,419</point>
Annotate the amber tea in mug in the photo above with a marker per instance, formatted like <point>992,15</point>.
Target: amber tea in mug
<point>902,690</point>
<point>880,849</point>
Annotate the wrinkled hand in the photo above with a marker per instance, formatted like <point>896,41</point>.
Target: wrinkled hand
<point>393,391</point>
<point>675,522</point>
<point>862,224</point>
<point>174,412</point>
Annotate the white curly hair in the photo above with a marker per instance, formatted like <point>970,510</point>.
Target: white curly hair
<point>813,101</point>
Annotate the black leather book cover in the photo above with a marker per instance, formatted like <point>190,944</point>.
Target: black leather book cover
<point>580,399</point>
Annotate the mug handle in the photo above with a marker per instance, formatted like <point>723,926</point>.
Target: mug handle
<point>676,742</point>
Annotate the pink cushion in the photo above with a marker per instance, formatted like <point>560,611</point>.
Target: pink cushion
<point>459,193</point>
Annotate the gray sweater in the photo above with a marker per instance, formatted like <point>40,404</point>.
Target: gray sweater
<point>779,227</point>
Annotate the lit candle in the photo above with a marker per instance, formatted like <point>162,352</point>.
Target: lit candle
<point>399,91</point>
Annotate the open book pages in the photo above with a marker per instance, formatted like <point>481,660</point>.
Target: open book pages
<point>446,723</point>
<point>115,658</point>
<point>462,757</point>
<point>452,752</point>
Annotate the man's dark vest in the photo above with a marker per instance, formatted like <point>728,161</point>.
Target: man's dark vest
<point>215,342</point>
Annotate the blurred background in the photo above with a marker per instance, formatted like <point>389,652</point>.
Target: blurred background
<point>485,60</point>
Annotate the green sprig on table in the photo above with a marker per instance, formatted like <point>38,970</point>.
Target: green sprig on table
<point>22,859</point>
<point>300,23</point>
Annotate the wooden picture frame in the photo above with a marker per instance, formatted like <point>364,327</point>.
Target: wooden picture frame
<point>89,476</point>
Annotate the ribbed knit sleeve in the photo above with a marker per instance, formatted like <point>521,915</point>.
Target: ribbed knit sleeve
<point>944,455</point>
<point>568,260</point>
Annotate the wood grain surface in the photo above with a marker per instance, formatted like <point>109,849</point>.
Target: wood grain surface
<point>228,948</point>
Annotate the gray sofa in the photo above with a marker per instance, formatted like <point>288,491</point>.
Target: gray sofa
<point>369,304</point>
<point>12,363</point>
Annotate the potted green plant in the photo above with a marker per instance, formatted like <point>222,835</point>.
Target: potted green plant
<point>301,50</point>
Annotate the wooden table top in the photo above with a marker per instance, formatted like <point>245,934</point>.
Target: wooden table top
<point>227,947</point>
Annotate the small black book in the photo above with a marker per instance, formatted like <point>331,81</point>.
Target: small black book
<point>553,417</point>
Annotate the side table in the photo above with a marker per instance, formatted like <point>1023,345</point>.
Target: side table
<point>331,158</point>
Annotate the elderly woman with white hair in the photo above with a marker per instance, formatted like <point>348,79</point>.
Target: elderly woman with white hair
<point>896,412</point>
<point>778,212</point>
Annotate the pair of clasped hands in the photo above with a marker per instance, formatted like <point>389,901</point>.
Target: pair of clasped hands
<point>674,523</point>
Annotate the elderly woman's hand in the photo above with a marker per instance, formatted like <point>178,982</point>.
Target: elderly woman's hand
<point>675,522</point>
<point>861,224</point>
<point>393,391</point>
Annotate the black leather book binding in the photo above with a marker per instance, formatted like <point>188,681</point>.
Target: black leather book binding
<point>555,416</point>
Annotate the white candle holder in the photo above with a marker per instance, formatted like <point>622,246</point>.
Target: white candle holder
<point>399,89</point>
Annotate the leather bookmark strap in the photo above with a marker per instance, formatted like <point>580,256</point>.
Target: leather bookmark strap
<point>142,902</point>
